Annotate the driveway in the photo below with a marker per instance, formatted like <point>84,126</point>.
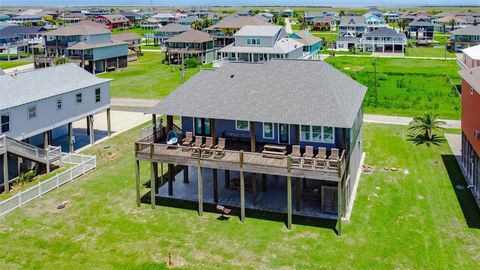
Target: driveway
<point>399,120</point>
<point>288,26</point>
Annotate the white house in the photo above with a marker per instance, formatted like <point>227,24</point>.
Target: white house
<point>259,43</point>
<point>470,58</point>
<point>40,105</point>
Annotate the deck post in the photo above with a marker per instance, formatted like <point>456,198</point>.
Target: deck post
<point>289,195</point>
<point>227,178</point>
<point>154,127</point>
<point>297,134</point>
<point>298,193</point>
<point>200,188</point>
<point>109,123</point>
<point>152,178</point>
<point>155,172</point>
<point>162,180</point>
<point>92,132</point>
<point>70,138</point>
<point>254,188</point>
<point>169,123</point>
<point>213,126</point>
<point>171,175</point>
<point>252,137</point>
<point>45,140</point>
<point>185,174</point>
<point>242,189</point>
<point>264,183</point>
<point>215,185</point>
<point>137,176</point>
<point>6,183</point>
<point>339,206</point>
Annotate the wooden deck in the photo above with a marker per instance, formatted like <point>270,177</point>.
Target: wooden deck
<point>272,200</point>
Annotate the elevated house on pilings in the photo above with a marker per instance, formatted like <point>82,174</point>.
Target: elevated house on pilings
<point>311,105</point>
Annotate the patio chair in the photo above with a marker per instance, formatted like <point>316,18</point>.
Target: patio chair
<point>308,156</point>
<point>188,140</point>
<point>296,156</point>
<point>207,147</point>
<point>196,151</point>
<point>334,159</point>
<point>321,158</point>
<point>172,138</point>
<point>218,152</point>
<point>223,210</point>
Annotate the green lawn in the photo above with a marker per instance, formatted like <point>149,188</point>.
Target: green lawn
<point>406,87</point>
<point>137,30</point>
<point>147,78</point>
<point>440,38</point>
<point>428,52</point>
<point>399,221</point>
<point>12,64</point>
<point>329,37</point>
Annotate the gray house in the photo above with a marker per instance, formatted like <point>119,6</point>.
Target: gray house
<point>384,40</point>
<point>259,43</point>
<point>352,26</point>
<point>262,128</point>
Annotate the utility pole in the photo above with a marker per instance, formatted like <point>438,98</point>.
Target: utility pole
<point>376,82</point>
<point>183,68</point>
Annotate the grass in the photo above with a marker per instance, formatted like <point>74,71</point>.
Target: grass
<point>399,221</point>
<point>428,52</point>
<point>12,64</point>
<point>147,78</point>
<point>406,87</point>
<point>151,47</point>
<point>329,37</point>
<point>141,32</point>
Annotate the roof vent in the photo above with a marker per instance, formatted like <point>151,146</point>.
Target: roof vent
<point>231,76</point>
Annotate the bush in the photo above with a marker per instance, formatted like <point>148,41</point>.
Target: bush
<point>28,176</point>
<point>192,62</point>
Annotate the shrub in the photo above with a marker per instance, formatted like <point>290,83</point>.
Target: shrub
<point>192,62</point>
<point>28,176</point>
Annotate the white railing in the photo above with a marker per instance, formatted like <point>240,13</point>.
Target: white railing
<point>81,165</point>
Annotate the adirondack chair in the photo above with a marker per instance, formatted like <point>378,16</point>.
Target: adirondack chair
<point>296,156</point>
<point>207,147</point>
<point>196,151</point>
<point>321,158</point>
<point>308,156</point>
<point>188,140</point>
<point>218,152</point>
<point>334,159</point>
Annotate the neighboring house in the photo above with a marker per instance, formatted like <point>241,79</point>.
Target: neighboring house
<point>224,30</point>
<point>88,44</point>
<point>310,16</point>
<point>288,13</point>
<point>374,22</point>
<point>113,21</point>
<point>18,39</point>
<point>4,17</point>
<point>384,40</point>
<point>312,45</point>
<point>134,44</point>
<point>266,16</point>
<point>192,43</point>
<point>257,110</point>
<point>244,12</point>
<point>168,31</point>
<point>420,30</point>
<point>470,57</point>
<point>459,23</point>
<point>322,24</point>
<point>391,16</point>
<point>466,37</point>
<point>27,19</point>
<point>375,11</point>
<point>347,43</point>
<point>165,18</point>
<point>259,43</point>
<point>133,17</point>
<point>352,26</point>
<point>470,162</point>
<point>92,13</point>
<point>150,23</point>
<point>188,21</point>
<point>72,18</point>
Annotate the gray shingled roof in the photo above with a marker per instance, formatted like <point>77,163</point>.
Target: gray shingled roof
<point>420,23</point>
<point>383,32</point>
<point>279,91</point>
<point>193,36</point>
<point>43,83</point>
<point>357,20</point>
<point>78,29</point>
<point>473,30</point>
<point>237,22</point>
<point>174,27</point>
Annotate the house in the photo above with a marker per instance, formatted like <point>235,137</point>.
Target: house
<point>375,12</point>
<point>259,43</point>
<point>391,16</point>
<point>470,162</point>
<point>309,16</point>
<point>134,42</point>
<point>260,123</point>
<point>420,30</point>
<point>460,22</point>
<point>27,19</point>
<point>347,43</point>
<point>374,22</point>
<point>322,24</point>
<point>150,23</point>
<point>168,31</point>
<point>93,13</point>
<point>244,12</point>
<point>224,30</point>
<point>188,21</point>
<point>266,16</point>
<point>352,26</point>
<point>287,13</point>
<point>72,18</point>
<point>312,45</point>
<point>88,44</point>
<point>113,20</point>
<point>165,18</point>
<point>190,44</point>
<point>466,37</point>
<point>18,39</point>
<point>384,40</point>
<point>132,16</point>
<point>38,108</point>
<point>470,57</point>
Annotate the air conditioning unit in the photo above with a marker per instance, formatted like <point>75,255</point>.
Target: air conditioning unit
<point>476,133</point>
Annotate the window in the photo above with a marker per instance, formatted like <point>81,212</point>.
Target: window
<point>59,104</point>
<point>471,90</point>
<point>268,130</point>
<point>258,41</point>
<point>78,98</point>
<point>5,123</point>
<point>98,96</point>
<point>32,112</point>
<point>202,127</point>
<point>249,41</point>
<point>317,134</point>
<point>242,125</point>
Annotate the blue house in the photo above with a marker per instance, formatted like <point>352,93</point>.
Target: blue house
<point>254,121</point>
<point>311,44</point>
<point>420,30</point>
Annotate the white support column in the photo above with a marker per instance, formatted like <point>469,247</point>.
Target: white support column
<point>5,173</point>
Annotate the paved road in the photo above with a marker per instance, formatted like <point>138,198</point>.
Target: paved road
<point>288,26</point>
<point>135,103</point>
<point>19,69</point>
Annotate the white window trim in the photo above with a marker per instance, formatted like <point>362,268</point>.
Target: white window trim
<point>9,123</point>
<point>61,104</point>
<point>322,135</point>
<point>76,102</point>
<point>100,95</point>
<point>273,130</point>
<point>28,112</point>
<point>241,129</point>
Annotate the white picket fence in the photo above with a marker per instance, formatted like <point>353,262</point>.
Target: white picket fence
<point>81,165</point>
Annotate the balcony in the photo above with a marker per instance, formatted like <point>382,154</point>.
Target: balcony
<point>461,64</point>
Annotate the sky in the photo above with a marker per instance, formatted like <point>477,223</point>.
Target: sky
<point>383,3</point>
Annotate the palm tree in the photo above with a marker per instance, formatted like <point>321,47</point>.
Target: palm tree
<point>422,127</point>
<point>342,13</point>
<point>61,61</point>
<point>452,23</point>
<point>402,24</point>
<point>197,25</point>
